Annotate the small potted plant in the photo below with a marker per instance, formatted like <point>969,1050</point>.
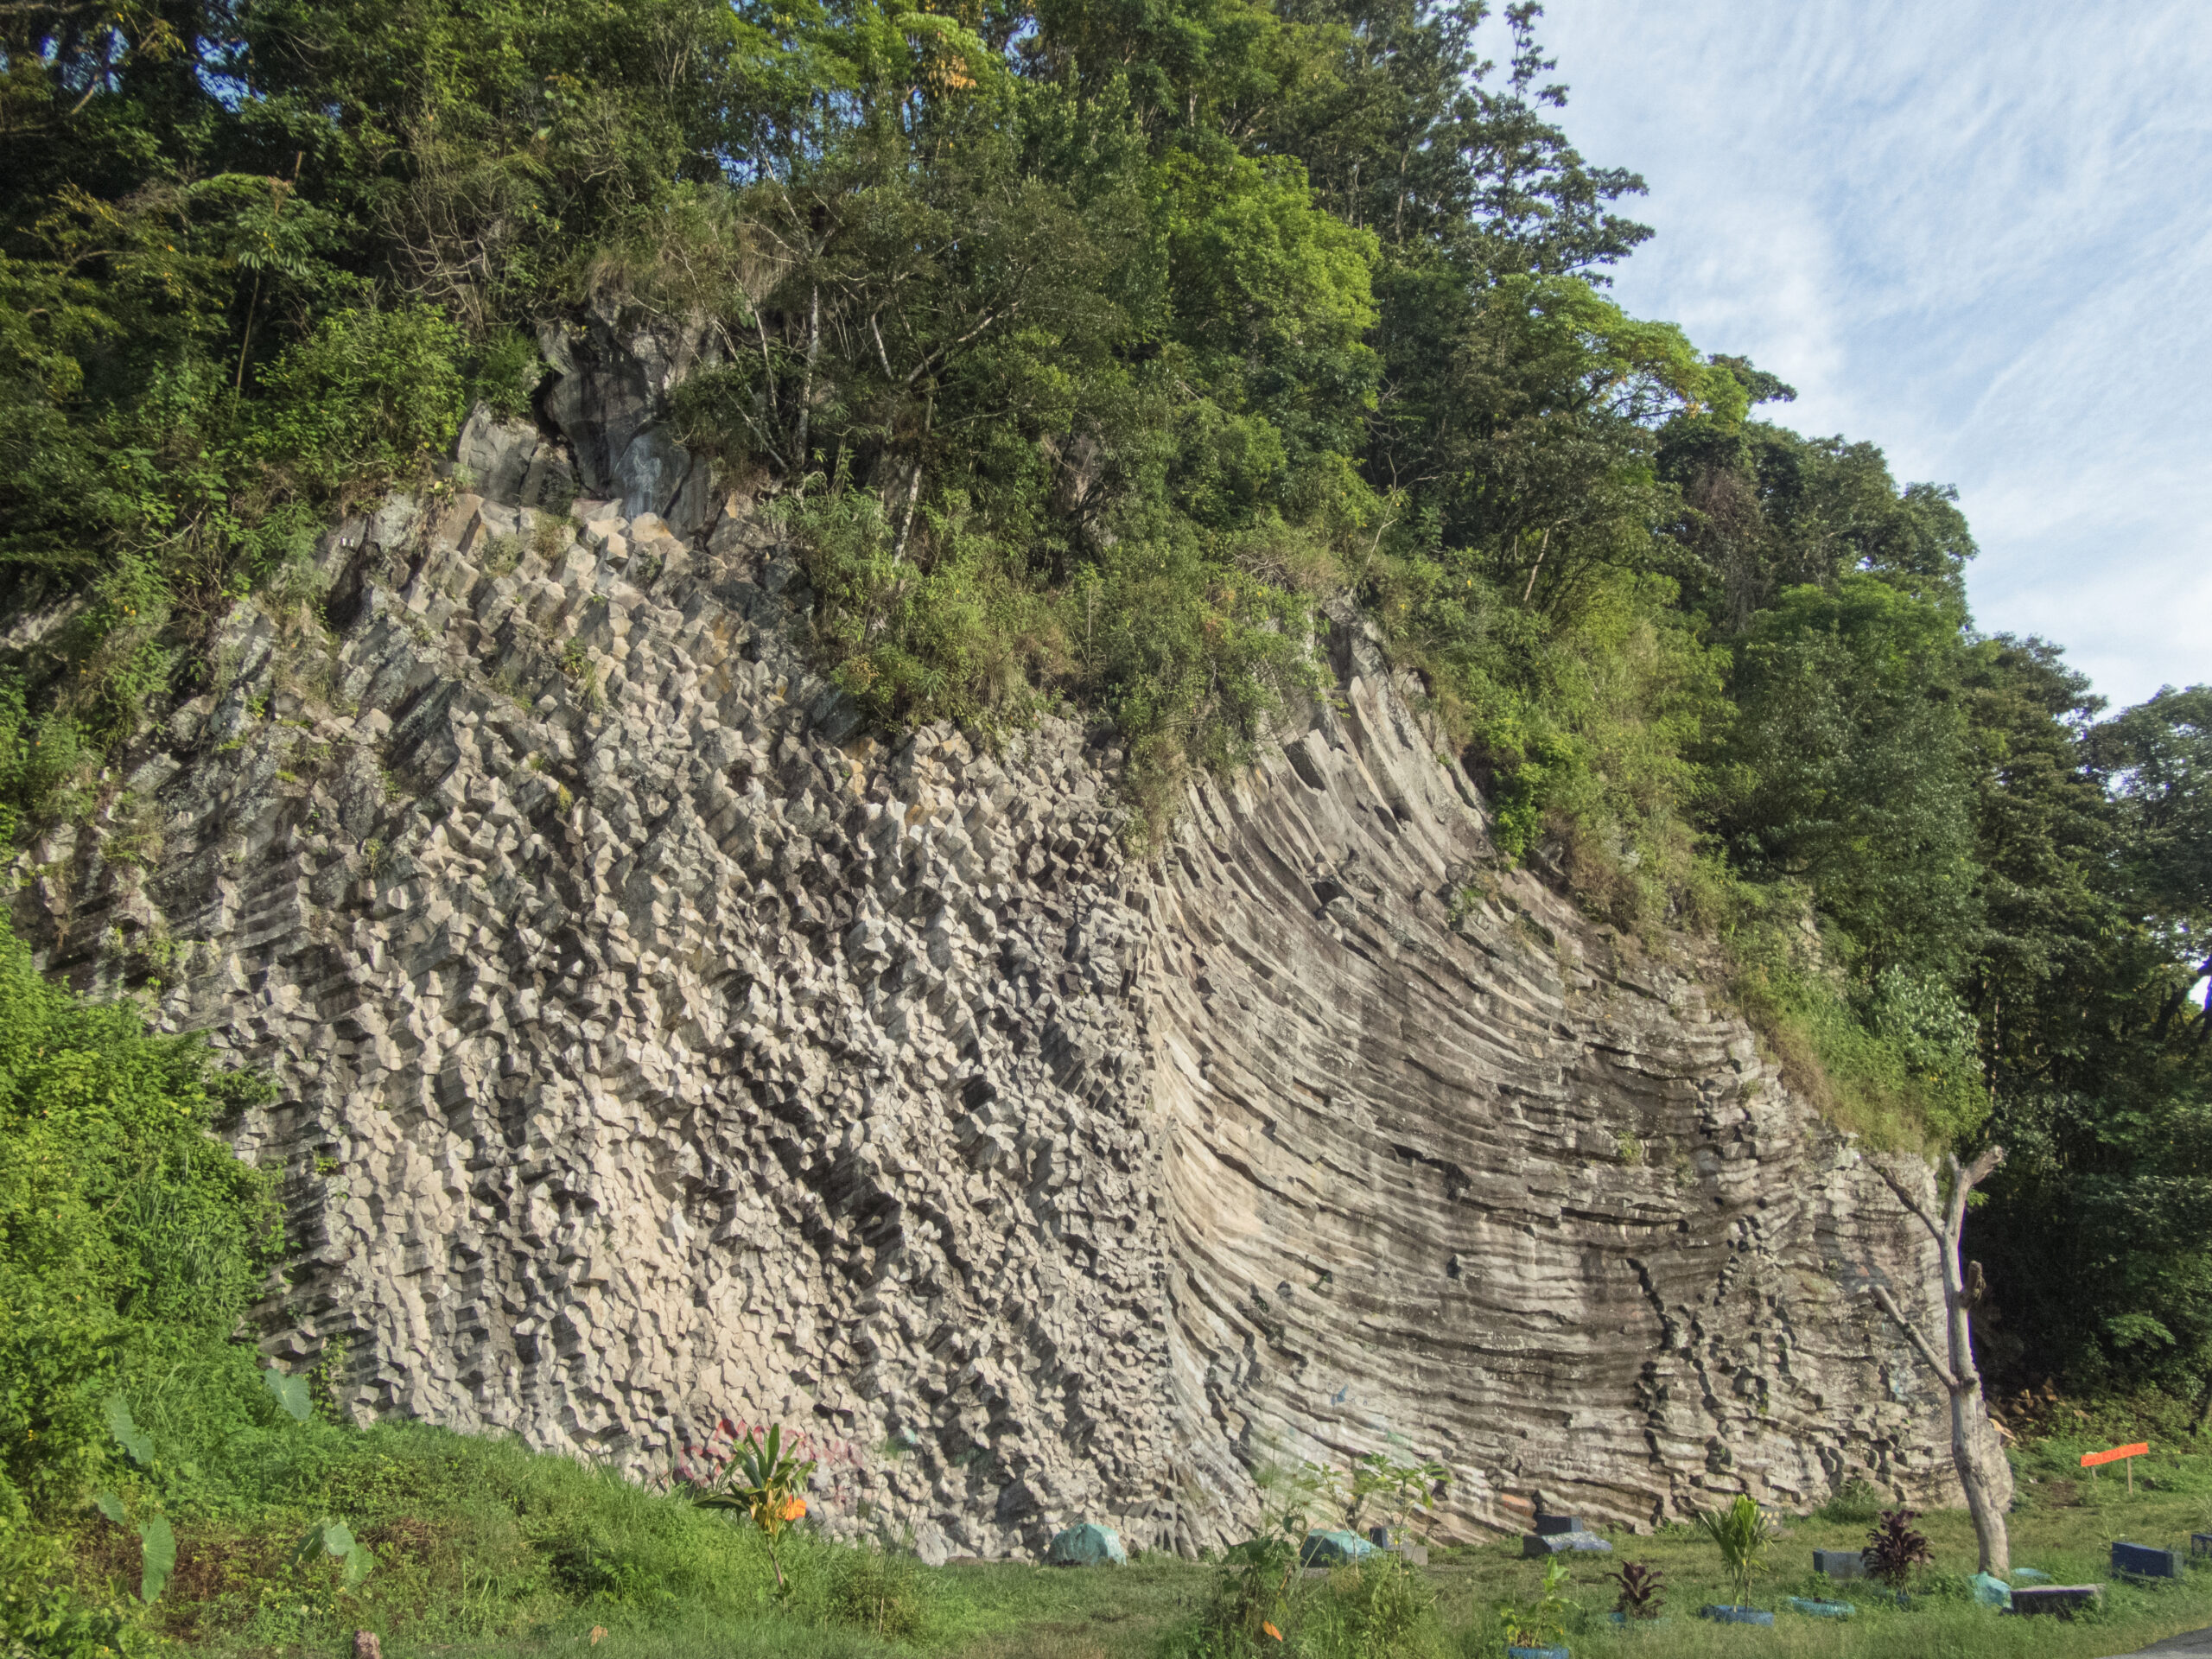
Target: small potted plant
<point>1741,1532</point>
<point>1893,1549</point>
<point>1539,1630</point>
<point>1642,1594</point>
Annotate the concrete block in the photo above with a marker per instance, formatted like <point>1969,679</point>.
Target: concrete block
<point>1839,1563</point>
<point>2063,1599</point>
<point>1549,1525</point>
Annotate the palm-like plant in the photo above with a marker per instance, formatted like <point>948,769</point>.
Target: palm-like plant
<point>1742,1533</point>
<point>766,1484</point>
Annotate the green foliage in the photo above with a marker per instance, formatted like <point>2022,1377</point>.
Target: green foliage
<point>119,1217</point>
<point>1898,1061</point>
<point>1540,1623</point>
<point>766,1484</point>
<point>1849,768</point>
<point>1382,1609</point>
<point>1742,1534</point>
<point>1894,1548</point>
<point>369,396</point>
<point>1855,1502</point>
<point>880,1591</point>
<point>957,632</point>
<point>291,1393</point>
<point>1399,1489</point>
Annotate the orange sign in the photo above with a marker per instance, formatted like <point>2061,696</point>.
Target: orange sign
<point>2091,1459</point>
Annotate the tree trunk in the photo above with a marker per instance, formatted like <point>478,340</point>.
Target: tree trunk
<point>1985,1475</point>
<point>806,384</point>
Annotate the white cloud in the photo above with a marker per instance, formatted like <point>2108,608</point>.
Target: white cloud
<point>1974,233</point>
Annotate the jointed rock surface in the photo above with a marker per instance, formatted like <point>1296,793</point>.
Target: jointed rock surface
<point>656,1046</point>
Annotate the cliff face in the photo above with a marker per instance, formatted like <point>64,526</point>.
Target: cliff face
<point>654,1045</point>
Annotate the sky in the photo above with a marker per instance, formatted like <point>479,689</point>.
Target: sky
<point>1979,234</point>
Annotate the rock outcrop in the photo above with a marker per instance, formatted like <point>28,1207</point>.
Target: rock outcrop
<point>654,1044</point>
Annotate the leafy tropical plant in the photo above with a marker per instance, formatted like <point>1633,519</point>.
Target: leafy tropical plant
<point>1643,1590</point>
<point>1741,1533</point>
<point>336,1539</point>
<point>156,1545</point>
<point>1541,1623</point>
<point>762,1481</point>
<point>1894,1548</point>
<point>1398,1491</point>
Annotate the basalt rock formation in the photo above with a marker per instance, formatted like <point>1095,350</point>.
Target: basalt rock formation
<point>654,1044</point>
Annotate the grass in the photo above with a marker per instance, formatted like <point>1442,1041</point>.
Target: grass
<point>488,1551</point>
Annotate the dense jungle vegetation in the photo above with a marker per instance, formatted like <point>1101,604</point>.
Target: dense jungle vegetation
<point>1095,348</point>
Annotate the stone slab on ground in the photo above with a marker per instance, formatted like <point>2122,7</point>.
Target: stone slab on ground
<point>1720,1615</point>
<point>1551,1526</point>
<point>1839,1563</point>
<point>2061,1599</point>
<point>1537,1545</point>
<point>1813,1609</point>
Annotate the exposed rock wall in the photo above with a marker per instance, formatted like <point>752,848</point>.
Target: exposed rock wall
<point>654,1045</point>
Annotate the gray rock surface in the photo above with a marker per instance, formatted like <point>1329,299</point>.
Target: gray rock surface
<point>616,375</point>
<point>654,1044</point>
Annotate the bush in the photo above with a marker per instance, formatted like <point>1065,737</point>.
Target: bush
<point>1896,1061</point>
<point>123,1226</point>
<point>369,396</point>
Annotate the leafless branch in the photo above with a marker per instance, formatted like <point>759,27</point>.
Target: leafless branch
<point>1908,1199</point>
<point>1889,1306</point>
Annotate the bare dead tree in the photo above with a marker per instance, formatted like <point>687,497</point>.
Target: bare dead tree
<point>1975,1450</point>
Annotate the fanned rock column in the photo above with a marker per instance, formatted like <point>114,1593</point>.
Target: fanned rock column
<point>1453,1165</point>
<point>653,1045</point>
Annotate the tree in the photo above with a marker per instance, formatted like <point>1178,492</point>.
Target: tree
<point>1983,1474</point>
<point>1848,768</point>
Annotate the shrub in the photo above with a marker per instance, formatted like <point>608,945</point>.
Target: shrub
<point>1855,1504</point>
<point>1382,1609</point>
<point>368,396</point>
<point>1643,1590</point>
<point>1741,1532</point>
<point>1543,1622</point>
<point>1894,1548</point>
<point>123,1226</point>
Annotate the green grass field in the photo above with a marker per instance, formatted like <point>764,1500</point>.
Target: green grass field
<point>484,1549</point>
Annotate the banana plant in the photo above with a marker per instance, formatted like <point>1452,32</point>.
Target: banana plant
<point>765,1483</point>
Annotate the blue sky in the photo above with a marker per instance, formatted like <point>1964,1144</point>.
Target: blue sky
<point>1977,234</point>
